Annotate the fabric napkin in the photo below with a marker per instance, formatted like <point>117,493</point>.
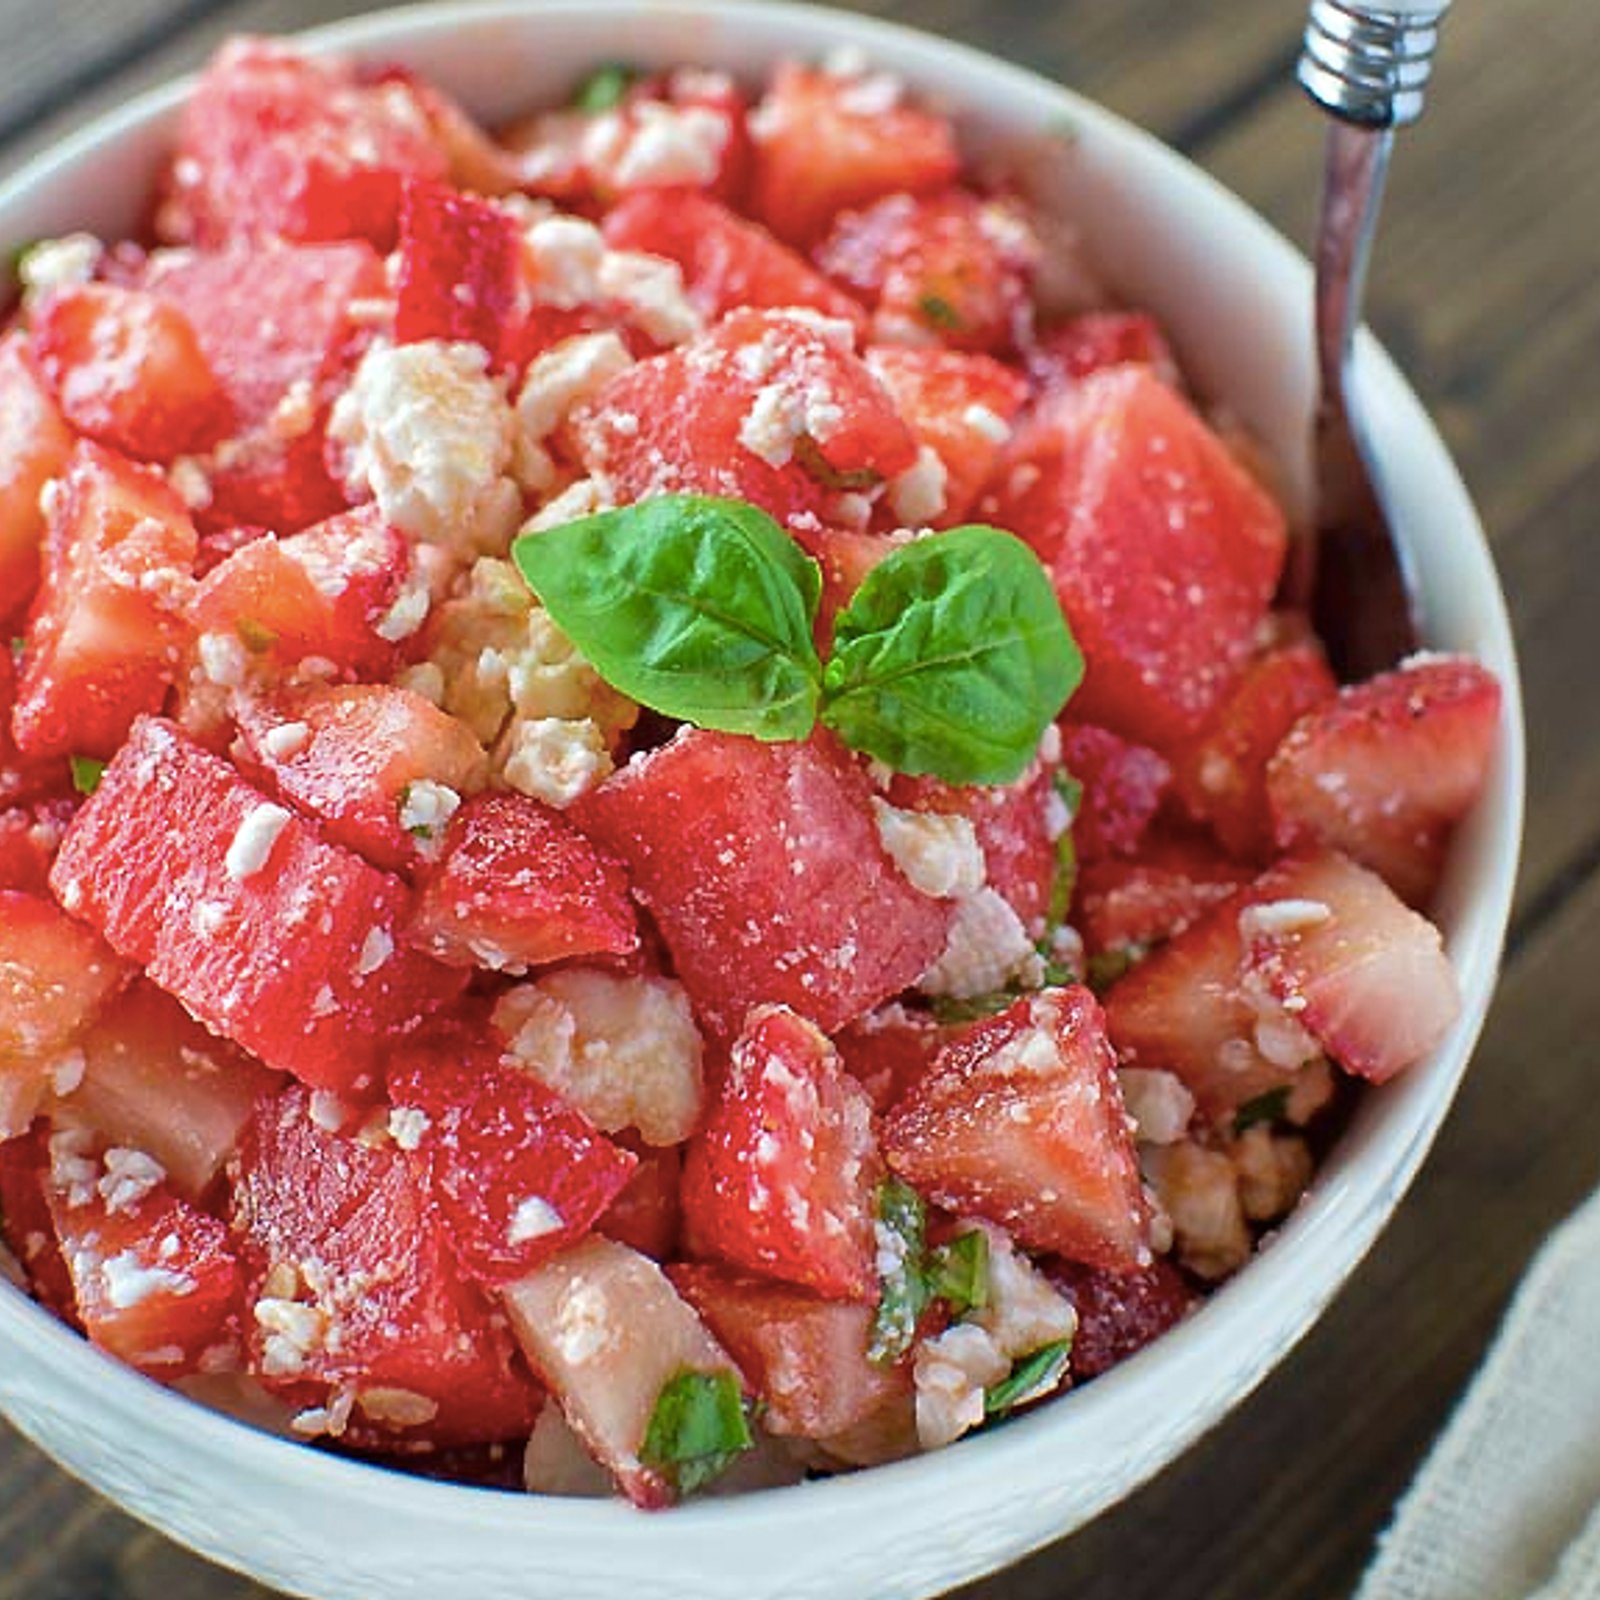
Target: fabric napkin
<point>1507,1506</point>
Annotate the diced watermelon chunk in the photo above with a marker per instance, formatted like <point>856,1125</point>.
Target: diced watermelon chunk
<point>35,443</point>
<point>1021,1122</point>
<point>519,1174</point>
<point>1068,351</point>
<point>26,1226</point>
<point>154,1279</point>
<point>518,885</point>
<point>727,261</point>
<point>1164,551</point>
<point>275,144</point>
<point>959,404</point>
<point>782,1178</point>
<point>1364,974</point>
<point>1221,776</point>
<point>107,630</point>
<point>949,268</point>
<point>23,780</point>
<point>269,935</point>
<point>1122,904</point>
<point>1119,1313</point>
<point>353,1293</point>
<point>1385,771</point>
<point>846,557</point>
<point>128,371</point>
<point>805,1357</point>
<point>606,1330</point>
<point>1123,787</point>
<point>459,264</point>
<point>356,757</point>
<point>767,407</point>
<point>825,142</point>
<point>763,869</point>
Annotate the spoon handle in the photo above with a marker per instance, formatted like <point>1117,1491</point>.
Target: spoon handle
<point>1369,61</point>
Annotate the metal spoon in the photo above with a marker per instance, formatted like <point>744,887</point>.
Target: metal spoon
<point>1368,65</point>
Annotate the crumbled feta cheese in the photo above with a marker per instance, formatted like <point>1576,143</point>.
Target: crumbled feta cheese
<point>188,476</point>
<point>129,1282</point>
<point>253,841</point>
<point>533,1219</point>
<point>425,808</point>
<point>294,1332</point>
<point>1024,1311</point>
<point>1159,1103</point>
<point>1276,918</point>
<point>653,291</point>
<point>557,381</point>
<point>327,1111</point>
<point>397,1408</point>
<point>407,1125</point>
<point>564,254</point>
<point>66,1075</point>
<point>580,499</point>
<point>1199,1191</point>
<point>410,608</point>
<point>873,95</point>
<point>130,1175</point>
<point>990,424</point>
<point>556,759</point>
<point>987,948</point>
<point>1273,1170</point>
<point>917,496</point>
<point>1277,1034</point>
<point>286,741</point>
<point>659,145</point>
<point>939,853</point>
<point>378,947</point>
<point>53,264</point>
<point>222,660</point>
<point>951,1373</point>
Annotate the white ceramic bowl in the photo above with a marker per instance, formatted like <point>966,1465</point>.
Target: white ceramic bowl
<point>1236,298</point>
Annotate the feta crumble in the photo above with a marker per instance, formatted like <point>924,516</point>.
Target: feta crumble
<point>917,496</point>
<point>987,948</point>
<point>253,841</point>
<point>939,853</point>
<point>533,1219</point>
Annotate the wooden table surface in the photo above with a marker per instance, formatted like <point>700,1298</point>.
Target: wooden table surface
<point>1487,288</point>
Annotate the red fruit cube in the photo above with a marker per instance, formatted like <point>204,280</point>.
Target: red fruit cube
<point>1363,974</point>
<point>889,1050</point>
<point>1221,776</point>
<point>682,132</point>
<point>727,261</point>
<point>107,630</point>
<point>1129,905</point>
<point>353,1295</point>
<point>268,934</point>
<point>1119,1313</point>
<point>761,865</point>
<point>23,780</point>
<point>646,1214</point>
<point>518,885</point>
<point>767,407</point>
<point>378,766</point>
<point>128,371</point>
<point>154,1279</point>
<point>35,443</point>
<point>29,836</point>
<point>519,1174</point>
<point>949,268</point>
<point>460,260</point>
<point>26,1227</point>
<point>277,145</point>
<point>824,142</point>
<point>958,404</point>
<point>1385,771</point>
<point>1123,787</point>
<point>1164,551</point>
<point>1067,352</point>
<point>783,1177</point>
<point>846,557</point>
<point>805,1357</point>
<point>1021,1122</point>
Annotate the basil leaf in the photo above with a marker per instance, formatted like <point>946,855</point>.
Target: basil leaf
<point>697,607</point>
<point>903,1296</point>
<point>1109,965</point>
<point>697,1430</point>
<point>1032,1378</point>
<point>1270,1106</point>
<point>952,658</point>
<point>605,88</point>
<point>86,774</point>
<point>940,313</point>
<point>958,1273</point>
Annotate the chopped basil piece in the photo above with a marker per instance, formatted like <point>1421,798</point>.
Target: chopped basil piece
<point>1109,965</point>
<point>255,636</point>
<point>605,88</point>
<point>1272,1106</point>
<point>86,774</point>
<point>697,1430</point>
<point>18,645</point>
<point>1032,1378</point>
<point>904,1294</point>
<point>938,311</point>
<point>974,1008</point>
<point>958,1273</point>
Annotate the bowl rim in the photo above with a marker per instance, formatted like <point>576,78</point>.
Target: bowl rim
<point>1344,1217</point>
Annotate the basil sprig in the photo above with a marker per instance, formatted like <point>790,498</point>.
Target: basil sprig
<point>952,658</point>
<point>1032,1378</point>
<point>913,1277</point>
<point>697,1430</point>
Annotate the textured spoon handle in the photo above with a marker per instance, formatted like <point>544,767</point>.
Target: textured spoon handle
<point>1369,61</point>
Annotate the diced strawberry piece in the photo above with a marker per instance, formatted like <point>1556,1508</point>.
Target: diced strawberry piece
<point>1021,1122</point>
<point>1221,776</point>
<point>1385,771</point>
<point>155,1080</point>
<point>275,144</point>
<point>949,268</point>
<point>825,142</point>
<point>646,1213</point>
<point>23,780</point>
<point>1165,553</point>
<point>280,330</point>
<point>269,936</point>
<point>154,1279</point>
<point>766,407</point>
<point>128,371</point>
<point>805,1357</point>
<point>728,262</point>
<point>340,591</point>
<point>1119,1313</point>
<point>519,1174</point>
<point>1124,904</point>
<point>459,263</point>
<point>1123,787</point>
<point>959,404</point>
<point>518,885</point>
<point>782,1178</point>
<point>1067,352</point>
<point>29,836</point>
<point>761,865</point>
<point>606,1330</point>
<point>35,443</point>
<point>352,757</point>
<point>1360,971</point>
<point>352,1288</point>
<point>107,630</point>
<point>889,1050</point>
<point>26,1225</point>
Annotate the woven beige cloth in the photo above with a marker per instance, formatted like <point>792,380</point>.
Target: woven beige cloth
<point>1507,1506</point>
